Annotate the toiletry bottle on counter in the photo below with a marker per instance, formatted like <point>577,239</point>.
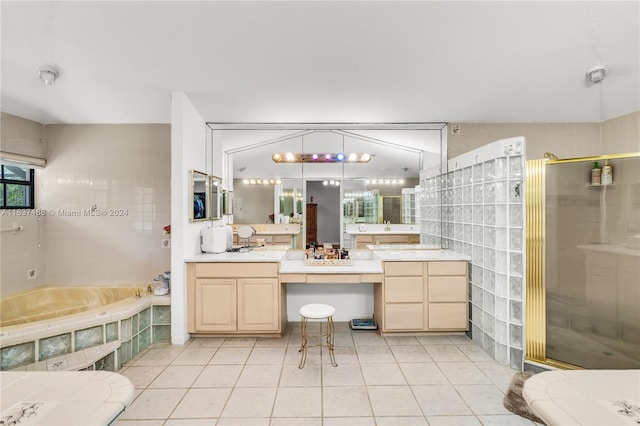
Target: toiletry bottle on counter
<point>607,174</point>
<point>596,173</point>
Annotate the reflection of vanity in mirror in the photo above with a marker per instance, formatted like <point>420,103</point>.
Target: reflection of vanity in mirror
<point>199,184</point>
<point>390,204</point>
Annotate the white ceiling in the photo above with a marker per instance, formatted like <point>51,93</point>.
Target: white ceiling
<point>321,61</point>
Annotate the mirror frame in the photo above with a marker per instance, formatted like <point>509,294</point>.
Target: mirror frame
<point>215,197</point>
<point>193,216</point>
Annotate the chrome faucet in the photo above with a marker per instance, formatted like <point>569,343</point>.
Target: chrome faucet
<point>387,226</point>
<point>138,295</point>
<point>149,288</point>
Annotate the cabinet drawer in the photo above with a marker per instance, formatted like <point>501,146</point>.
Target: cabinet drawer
<point>403,269</point>
<point>447,289</point>
<point>448,268</point>
<point>282,239</point>
<point>236,270</point>
<point>364,238</point>
<point>404,317</point>
<point>448,316</point>
<point>403,289</point>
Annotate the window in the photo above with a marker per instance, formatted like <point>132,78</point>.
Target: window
<point>16,187</point>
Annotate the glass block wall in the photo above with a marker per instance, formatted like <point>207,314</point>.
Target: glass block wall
<point>481,204</point>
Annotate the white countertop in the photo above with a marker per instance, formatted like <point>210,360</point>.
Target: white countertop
<point>250,256</point>
<point>63,397</point>
<point>382,232</point>
<point>372,266</point>
<point>419,255</point>
<point>584,397</point>
<point>402,247</point>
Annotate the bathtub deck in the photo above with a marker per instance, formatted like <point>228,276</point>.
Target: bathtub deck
<point>65,397</point>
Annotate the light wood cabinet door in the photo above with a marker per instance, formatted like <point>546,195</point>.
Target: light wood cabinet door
<point>448,316</point>
<point>403,289</point>
<point>404,317</point>
<point>258,307</point>
<point>447,289</point>
<point>215,304</point>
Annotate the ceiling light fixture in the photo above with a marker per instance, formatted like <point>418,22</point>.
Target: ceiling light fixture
<point>302,157</point>
<point>257,181</point>
<point>597,73</point>
<point>47,75</point>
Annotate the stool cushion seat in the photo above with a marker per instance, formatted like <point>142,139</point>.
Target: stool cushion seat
<point>317,311</point>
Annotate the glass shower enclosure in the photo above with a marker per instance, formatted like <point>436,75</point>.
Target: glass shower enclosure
<point>592,264</point>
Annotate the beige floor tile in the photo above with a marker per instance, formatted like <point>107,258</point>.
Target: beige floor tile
<point>298,402</point>
<point>434,340</point>
<point>218,376</point>
<point>343,401</point>
<point>202,403</point>
<point>422,373</point>
<point>120,422</point>
<point>205,342</point>
<point>178,376</point>
<point>505,420</point>
<point>250,402</point>
<point>445,353</point>
<point>475,353</point>
<point>231,356</point>
<point>453,421</point>
<point>266,356</point>
<point>272,342</point>
<point>393,401</point>
<point>298,421</point>
<point>368,338</point>
<point>154,404</point>
<point>463,373</point>
<point>264,421</point>
<point>191,422</point>
<point>460,339</point>
<point>142,376</point>
<point>239,342</point>
<point>342,375</point>
<point>440,400</point>
<point>483,399</point>
<point>292,356</point>
<point>259,376</point>
<point>341,327</point>
<point>294,376</point>
<point>500,375</point>
<point>342,339</point>
<point>162,356</point>
<point>348,421</point>
<point>382,374</point>
<point>410,354</point>
<point>195,356</point>
<point>401,340</point>
<point>342,354</point>
<point>401,421</point>
<point>374,354</point>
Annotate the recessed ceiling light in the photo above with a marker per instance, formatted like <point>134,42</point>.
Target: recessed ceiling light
<point>47,75</point>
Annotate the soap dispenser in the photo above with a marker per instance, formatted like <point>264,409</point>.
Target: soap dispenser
<point>596,174</point>
<point>607,174</point>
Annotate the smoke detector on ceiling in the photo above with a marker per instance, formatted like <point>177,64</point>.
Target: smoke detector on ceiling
<point>47,75</point>
<point>597,74</point>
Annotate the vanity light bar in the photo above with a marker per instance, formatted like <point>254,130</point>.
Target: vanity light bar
<point>261,181</point>
<point>384,181</point>
<point>303,157</point>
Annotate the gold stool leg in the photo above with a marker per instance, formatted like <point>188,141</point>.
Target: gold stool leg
<point>330,341</point>
<point>303,342</point>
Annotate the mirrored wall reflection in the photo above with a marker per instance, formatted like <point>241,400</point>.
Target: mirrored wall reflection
<point>262,187</point>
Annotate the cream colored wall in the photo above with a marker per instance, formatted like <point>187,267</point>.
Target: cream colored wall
<point>19,252</point>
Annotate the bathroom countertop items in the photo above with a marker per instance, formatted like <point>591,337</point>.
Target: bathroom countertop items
<point>63,397</point>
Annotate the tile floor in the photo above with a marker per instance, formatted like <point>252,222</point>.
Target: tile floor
<point>400,380</point>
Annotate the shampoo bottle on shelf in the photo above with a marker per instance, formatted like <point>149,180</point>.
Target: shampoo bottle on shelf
<point>607,174</point>
<point>596,174</point>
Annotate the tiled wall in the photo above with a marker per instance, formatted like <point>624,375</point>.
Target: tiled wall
<point>124,170</point>
<point>482,207</point>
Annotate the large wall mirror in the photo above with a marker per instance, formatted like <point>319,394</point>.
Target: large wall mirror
<point>215,188</point>
<point>199,184</point>
<point>381,190</point>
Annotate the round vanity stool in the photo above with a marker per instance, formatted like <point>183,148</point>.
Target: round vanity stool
<point>316,311</point>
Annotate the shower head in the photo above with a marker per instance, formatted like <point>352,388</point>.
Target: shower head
<point>550,156</point>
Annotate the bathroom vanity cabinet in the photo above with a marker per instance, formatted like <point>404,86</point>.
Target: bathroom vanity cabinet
<point>423,296</point>
<point>234,298</point>
<point>362,240</point>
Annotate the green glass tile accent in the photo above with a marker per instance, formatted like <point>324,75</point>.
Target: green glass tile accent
<point>17,355</point>
<point>134,345</point>
<point>161,334</point>
<point>89,337</point>
<point>125,329</point>
<point>144,339</point>
<point>111,331</point>
<point>125,351</point>
<point>162,314</point>
<point>107,363</point>
<point>134,324</point>
<point>145,318</point>
<point>54,346</point>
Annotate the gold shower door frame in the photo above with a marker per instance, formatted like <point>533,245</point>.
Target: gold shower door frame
<point>535,305</point>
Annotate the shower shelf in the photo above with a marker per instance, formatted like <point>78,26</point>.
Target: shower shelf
<point>599,185</point>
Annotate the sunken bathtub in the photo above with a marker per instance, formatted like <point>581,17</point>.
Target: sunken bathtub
<point>75,328</point>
